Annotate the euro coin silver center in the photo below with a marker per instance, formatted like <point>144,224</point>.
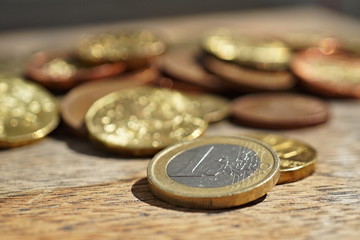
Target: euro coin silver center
<point>213,165</point>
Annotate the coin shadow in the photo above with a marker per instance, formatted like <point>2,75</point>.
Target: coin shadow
<point>84,146</point>
<point>142,192</point>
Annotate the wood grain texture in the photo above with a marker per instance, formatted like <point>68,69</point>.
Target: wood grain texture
<point>65,188</point>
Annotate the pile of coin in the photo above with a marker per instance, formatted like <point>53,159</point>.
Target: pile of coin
<point>130,97</point>
<point>141,121</point>
<point>242,63</point>
<point>61,71</point>
<point>222,172</point>
<point>94,57</point>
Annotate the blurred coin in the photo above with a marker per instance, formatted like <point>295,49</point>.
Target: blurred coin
<point>215,108</point>
<point>213,172</point>
<point>76,103</point>
<point>58,71</point>
<point>181,63</point>
<point>333,74</point>
<point>121,46</point>
<point>279,110</point>
<point>246,79</point>
<point>297,159</point>
<point>260,53</point>
<point>141,121</point>
<point>27,112</point>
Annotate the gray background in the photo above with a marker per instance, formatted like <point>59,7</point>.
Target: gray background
<point>23,14</point>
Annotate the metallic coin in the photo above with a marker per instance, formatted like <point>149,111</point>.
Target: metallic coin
<point>279,110</point>
<point>77,102</point>
<point>297,159</point>
<point>215,108</point>
<point>58,71</point>
<point>141,121</point>
<point>182,63</point>
<point>260,53</point>
<point>27,112</point>
<point>248,80</point>
<point>213,172</point>
<point>122,46</point>
<point>333,74</point>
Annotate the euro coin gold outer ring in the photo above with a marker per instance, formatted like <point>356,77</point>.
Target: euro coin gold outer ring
<point>290,173</point>
<point>144,148</point>
<point>46,123</point>
<point>247,190</point>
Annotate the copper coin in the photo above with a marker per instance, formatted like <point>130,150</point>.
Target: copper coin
<point>248,80</point>
<point>76,102</point>
<point>334,74</point>
<point>182,63</point>
<point>58,71</point>
<point>279,110</point>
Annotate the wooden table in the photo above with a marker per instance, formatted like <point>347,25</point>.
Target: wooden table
<point>65,188</point>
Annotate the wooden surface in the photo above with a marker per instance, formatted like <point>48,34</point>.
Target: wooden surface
<point>65,188</point>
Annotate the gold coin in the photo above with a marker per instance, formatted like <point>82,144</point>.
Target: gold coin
<point>141,121</point>
<point>215,108</point>
<point>213,172</point>
<point>59,68</point>
<point>122,46</point>
<point>27,112</point>
<point>263,54</point>
<point>297,159</point>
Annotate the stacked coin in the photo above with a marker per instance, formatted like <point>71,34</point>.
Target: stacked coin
<point>182,65</point>
<point>248,63</point>
<point>222,172</point>
<point>224,63</point>
<point>184,69</point>
<point>77,102</point>
<point>95,57</point>
<point>60,71</point>
<point>141,121</point>
<point>216,172</point>
<point>260,53</point>
<point>127,117</point>
<point>297,159</point>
